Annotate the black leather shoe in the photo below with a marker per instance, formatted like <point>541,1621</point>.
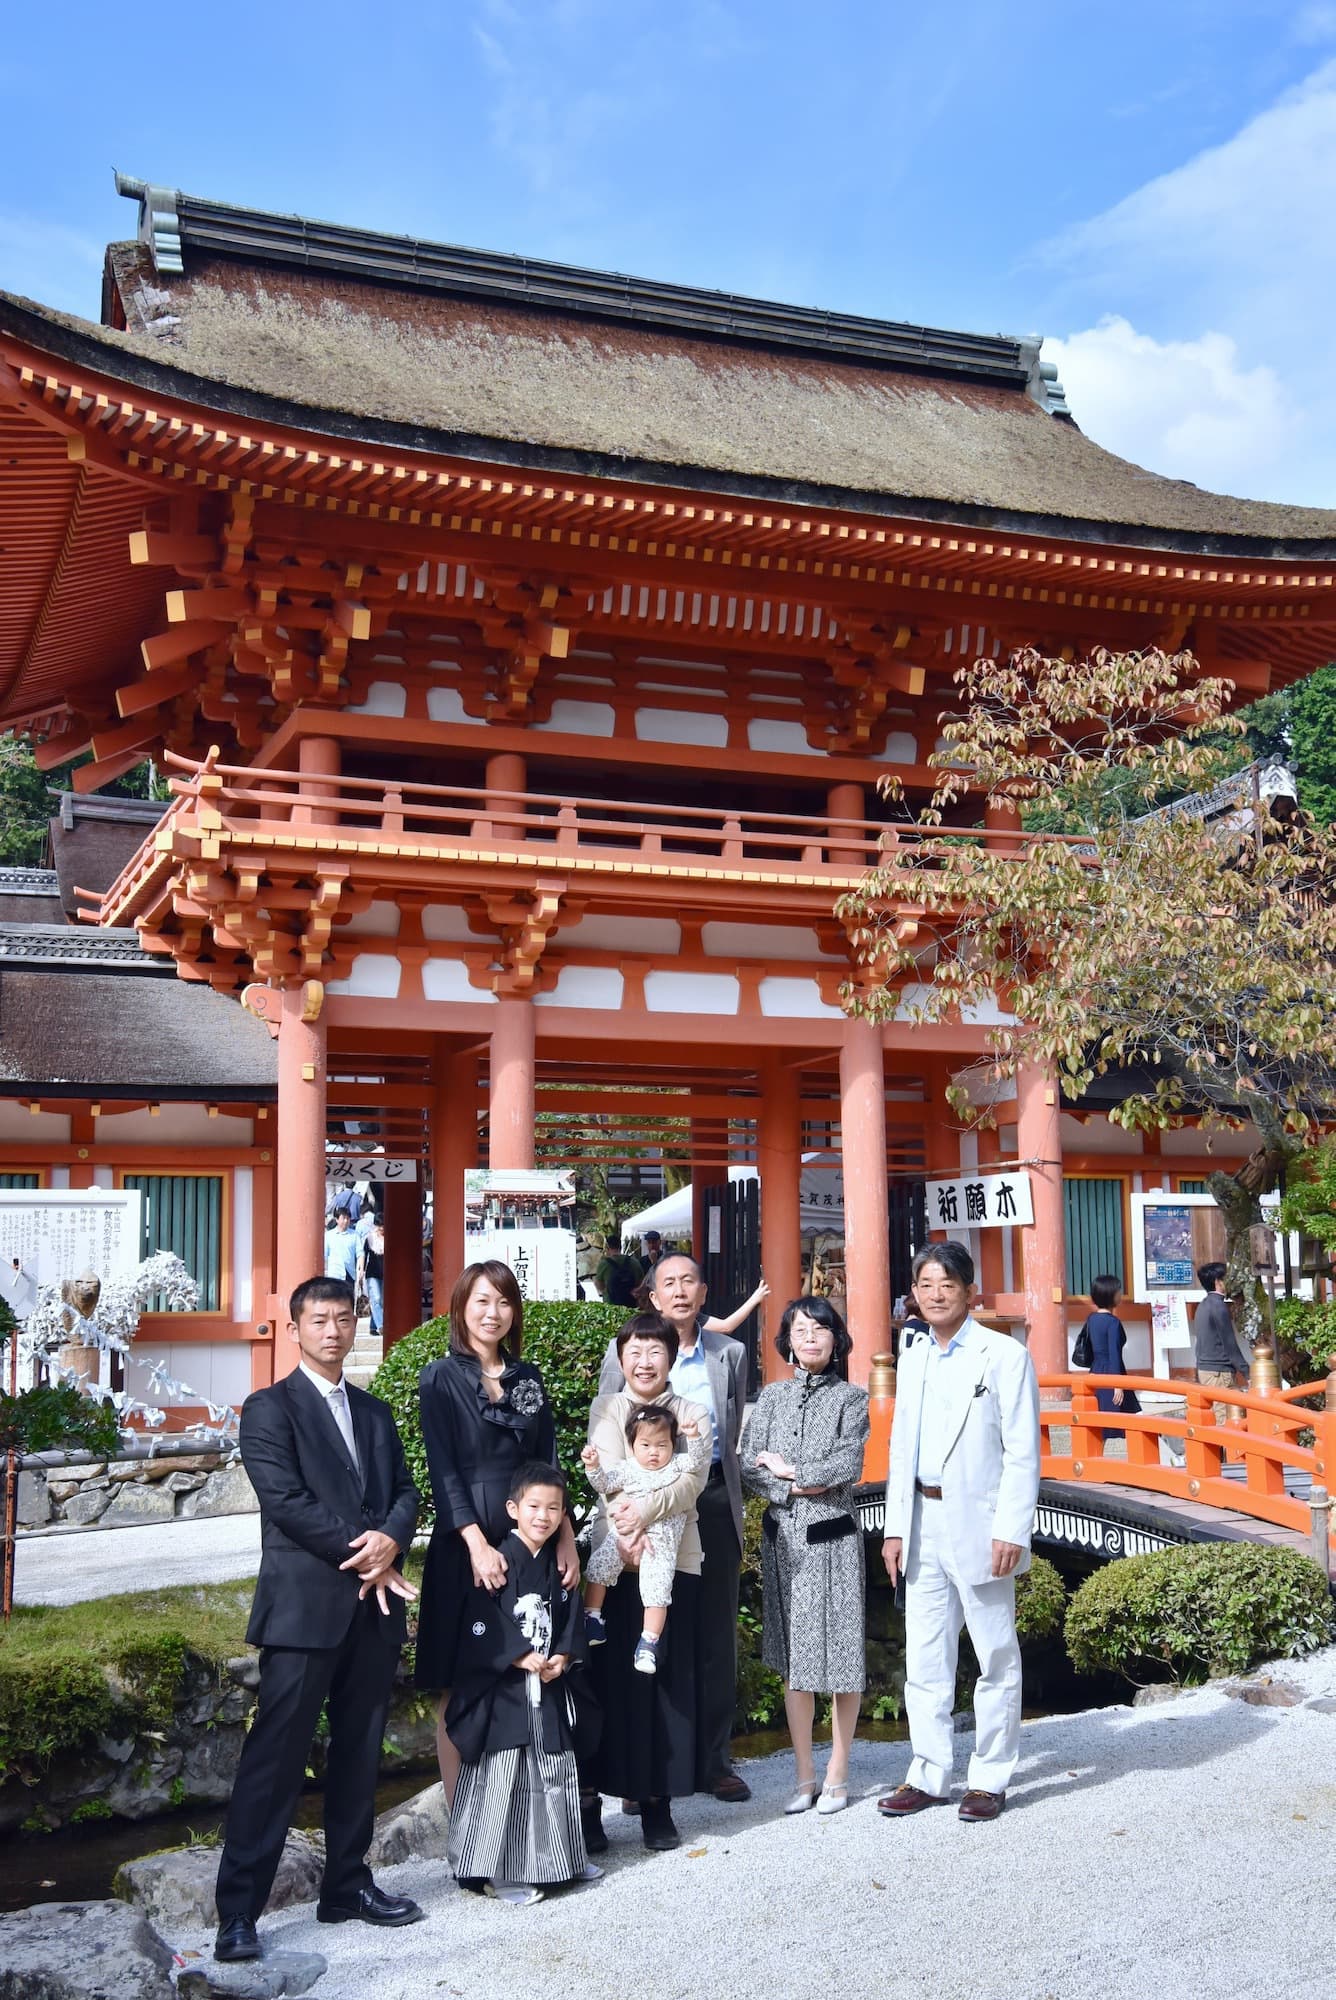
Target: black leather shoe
<point>656,1825</point>
<point>236,1939</point>
<point>370,1906</point>
<point>591,1825</point>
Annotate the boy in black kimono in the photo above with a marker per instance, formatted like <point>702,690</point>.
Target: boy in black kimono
<point>515,1828</point>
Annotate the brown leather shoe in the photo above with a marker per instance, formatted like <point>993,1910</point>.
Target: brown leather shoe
<point>906,1799</point>
<point>732,1789</point>
<point>982,1805</point>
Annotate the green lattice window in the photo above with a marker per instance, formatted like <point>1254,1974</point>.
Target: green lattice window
<point>1094,1232</point>
<point>1192,1187</point>
<point>20,1180</point>
<point>184,1213</point>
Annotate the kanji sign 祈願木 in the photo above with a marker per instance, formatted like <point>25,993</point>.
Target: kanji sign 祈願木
<point>980,1201</point>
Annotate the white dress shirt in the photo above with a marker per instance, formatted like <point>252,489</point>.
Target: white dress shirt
<point>336,1402</point>
<point>933,1442</point>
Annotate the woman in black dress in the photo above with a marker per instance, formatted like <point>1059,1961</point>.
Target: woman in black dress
<point>647,1744</point>
<point>484,1414</point>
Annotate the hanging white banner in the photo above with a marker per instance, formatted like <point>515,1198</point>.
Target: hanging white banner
<point>980,1201</point>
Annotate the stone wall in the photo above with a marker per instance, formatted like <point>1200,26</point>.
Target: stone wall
<point>130,1492</point>
<point>189,1760</point>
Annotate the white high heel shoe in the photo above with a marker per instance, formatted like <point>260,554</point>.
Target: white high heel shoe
<point>805,1797</point>
<point>834,1798</point>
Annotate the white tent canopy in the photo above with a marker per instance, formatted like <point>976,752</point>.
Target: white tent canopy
<point>821,1206</point>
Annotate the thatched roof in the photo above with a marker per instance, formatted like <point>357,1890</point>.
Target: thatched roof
<point>499,358</point>
<point>118,1034</point>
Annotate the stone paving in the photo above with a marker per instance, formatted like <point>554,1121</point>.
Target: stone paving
<point>69,1565</point>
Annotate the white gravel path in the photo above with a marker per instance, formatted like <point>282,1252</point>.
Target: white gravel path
<point>1182,1851</point>
<point>68,1567</point>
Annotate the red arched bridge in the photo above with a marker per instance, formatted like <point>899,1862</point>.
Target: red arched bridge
<point>1175,1472</point>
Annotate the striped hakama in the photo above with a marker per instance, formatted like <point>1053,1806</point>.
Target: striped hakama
<point>516,1815</point>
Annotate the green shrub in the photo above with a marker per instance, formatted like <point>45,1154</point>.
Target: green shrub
<point>564,1338</point>
<point>1307,1335</point>
<point>51,1418</point>
<point>1041,1601</point>
<point>1209,1608</point>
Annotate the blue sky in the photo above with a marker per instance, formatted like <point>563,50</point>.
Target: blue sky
<point>1150,186</point>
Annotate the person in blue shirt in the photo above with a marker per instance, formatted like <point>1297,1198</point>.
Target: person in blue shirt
<point>341,1247</point>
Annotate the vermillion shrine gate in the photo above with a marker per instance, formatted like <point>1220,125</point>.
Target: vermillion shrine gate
<point>527,644</point>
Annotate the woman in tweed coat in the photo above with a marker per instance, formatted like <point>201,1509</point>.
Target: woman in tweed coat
<point>802,1451</point>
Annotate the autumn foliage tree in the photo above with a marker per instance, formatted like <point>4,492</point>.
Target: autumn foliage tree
<point>1190,958</point>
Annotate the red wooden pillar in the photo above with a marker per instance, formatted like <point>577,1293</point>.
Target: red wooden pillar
<point>847,801</point>
<point>301,1150</point>
<point>511,1086</point>
<point>779,1161</point>
<point>867,1268</point>
<point>1043,1245</point>
<point>707,1136</point>
<point>454,1149</point>
<point>317,757</point>
<point>507,771</point>
<point>402,1216</point>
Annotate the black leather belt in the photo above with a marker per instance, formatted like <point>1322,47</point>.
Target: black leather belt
<point>928,1492</point>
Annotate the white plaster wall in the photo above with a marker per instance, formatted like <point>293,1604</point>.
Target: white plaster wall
<point>737,941</point>
<point>986,1014</point>
<point>375,975</point>
<point>767,732</point>
<point>681,725</point>
<point>382,698</point>
<point>17,1122</point>
<point>448,921</point>
<point>377,920</point>
<point>796,1000</point>
<point>217,1371</point>
<point>175,1125</point>
<point>624,934</point>
<point>1098,1136</point>
<point>448,979</point>
<point>900,749</point>
<point>912,994</point>
<point>243,1241</point>
<point>446,704</point>
<point>1188,1140</point>
<point>691,993</point>
<point>103,1177</point>
<point>581,718</point>
<point>59,1177</point>
<point>585,986</point>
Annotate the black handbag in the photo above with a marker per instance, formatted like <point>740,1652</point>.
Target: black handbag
<point>1083,1354</point>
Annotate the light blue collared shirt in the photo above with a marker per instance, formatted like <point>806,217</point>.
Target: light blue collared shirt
<point>690,1379</point>
<point>933,1442</point>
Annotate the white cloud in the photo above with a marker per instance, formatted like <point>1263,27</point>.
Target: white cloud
<point>1222,274</point>
<point>1189,408</point>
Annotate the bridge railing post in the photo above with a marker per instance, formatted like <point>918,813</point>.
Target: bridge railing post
<point>1319,1508</point>
<point>1204,1455</point>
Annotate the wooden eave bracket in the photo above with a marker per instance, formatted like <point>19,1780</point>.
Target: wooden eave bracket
<point>524,923</point>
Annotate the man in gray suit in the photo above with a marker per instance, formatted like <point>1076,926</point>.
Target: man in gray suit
<point>710,1369</point>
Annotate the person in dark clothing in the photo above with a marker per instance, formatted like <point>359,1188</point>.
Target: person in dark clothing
<point>484,1414</point>
<point>515,1826</point>
<point>1221,1361</point>
<point>619,1275</point>
<point>337,1510</point>
<point>1108,1339</point>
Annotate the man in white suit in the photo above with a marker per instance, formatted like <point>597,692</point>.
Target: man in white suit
<point>960,1502</point>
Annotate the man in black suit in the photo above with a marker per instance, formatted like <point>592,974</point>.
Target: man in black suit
<point>337,1510</point>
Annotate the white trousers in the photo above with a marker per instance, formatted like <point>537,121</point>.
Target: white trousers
<point>937,1603</point>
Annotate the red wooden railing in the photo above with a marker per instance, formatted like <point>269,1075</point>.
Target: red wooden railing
<point>1261,1432</point>
<point>367,812</point>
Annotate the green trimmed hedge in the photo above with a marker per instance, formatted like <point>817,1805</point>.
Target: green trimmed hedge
<point>1208,1608</point>
<point>564,1338</point>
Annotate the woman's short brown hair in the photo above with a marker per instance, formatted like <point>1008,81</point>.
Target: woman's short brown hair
<point>503,1279</point>
<point>648,1326</point>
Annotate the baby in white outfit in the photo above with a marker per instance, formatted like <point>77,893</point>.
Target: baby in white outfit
<point>653,1434</point>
